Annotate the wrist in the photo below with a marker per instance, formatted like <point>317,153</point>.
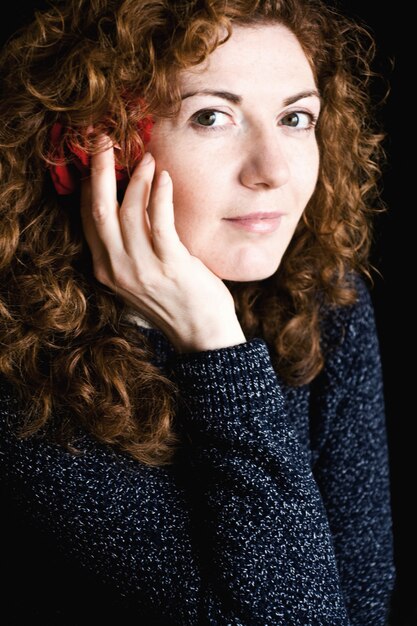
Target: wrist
<point>212,339</point>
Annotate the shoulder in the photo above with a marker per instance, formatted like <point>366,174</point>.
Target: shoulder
<point>339,324</point>
<point>349,333</point>
<point>347,397</point>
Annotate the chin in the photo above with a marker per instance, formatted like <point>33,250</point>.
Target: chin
<point>249,273</point>
<point>246,277</point>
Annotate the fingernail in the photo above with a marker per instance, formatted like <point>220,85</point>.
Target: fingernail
<point>147,158</point>
<point>163,178</point>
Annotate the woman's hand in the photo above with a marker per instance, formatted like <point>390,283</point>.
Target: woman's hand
<point>136,252</point>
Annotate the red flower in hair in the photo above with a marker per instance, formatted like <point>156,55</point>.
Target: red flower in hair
<point>76,162</point>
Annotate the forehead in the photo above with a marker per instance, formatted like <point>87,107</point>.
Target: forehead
<point>264,58</point>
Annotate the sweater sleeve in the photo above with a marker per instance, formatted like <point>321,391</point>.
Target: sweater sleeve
<point>238,535</point>
<point>352,470</point>
<point>268,555</point>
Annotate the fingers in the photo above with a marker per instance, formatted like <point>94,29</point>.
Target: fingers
<point>99,207</point>
<point>103,200</point>
<point>141,231</point>
<point>97,249</point>
<point>166,242</point>
<point>147,214</point>
<point>133,215</point>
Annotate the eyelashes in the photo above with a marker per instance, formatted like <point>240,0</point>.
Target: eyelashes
<point>311,119</point>
<point>199,119</point>
<point>207,114</point>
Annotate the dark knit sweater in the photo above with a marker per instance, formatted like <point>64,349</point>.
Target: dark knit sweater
<point>277,510</point>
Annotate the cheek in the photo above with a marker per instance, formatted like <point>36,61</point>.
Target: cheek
<point>304,173</point>
<point>188,186</point>
<point>191,194</point>
<point>197,187</point>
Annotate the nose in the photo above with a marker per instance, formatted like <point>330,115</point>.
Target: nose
<point>265,165</point>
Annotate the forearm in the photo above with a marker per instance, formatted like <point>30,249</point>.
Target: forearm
<point>237,526</point>
<point>267,545</point>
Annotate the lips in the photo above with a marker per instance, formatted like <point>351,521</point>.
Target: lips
<point>259,222</point>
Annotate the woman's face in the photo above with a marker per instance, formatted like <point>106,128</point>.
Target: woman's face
<point>242,152</point>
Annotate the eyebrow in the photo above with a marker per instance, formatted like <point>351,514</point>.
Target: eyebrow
<point>232,97</point>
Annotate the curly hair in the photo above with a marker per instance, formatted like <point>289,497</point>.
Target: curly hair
<point>66,344</point>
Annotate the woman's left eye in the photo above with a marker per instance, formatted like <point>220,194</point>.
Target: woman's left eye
<point>299,120</point>
<point>210,119</point>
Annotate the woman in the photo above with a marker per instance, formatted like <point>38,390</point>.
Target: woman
<point>192,414</point>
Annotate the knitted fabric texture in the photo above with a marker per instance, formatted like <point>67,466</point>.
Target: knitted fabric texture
<point>275,512</point>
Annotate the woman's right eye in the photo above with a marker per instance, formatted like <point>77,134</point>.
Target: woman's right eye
<point>210,120</point>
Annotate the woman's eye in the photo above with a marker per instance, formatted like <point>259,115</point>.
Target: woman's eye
<point>210,119</point>
<point>298,120</point>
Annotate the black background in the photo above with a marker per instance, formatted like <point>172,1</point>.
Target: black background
<point>393,287</point>
<point>392,254</point>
